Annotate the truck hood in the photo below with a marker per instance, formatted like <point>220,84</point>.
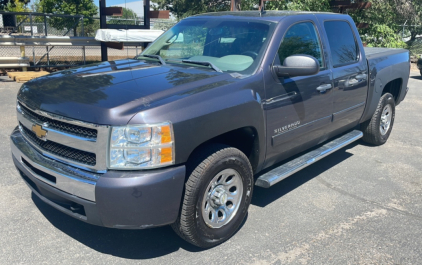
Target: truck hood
<point>113,92</point>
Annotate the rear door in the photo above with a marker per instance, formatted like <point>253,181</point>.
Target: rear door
<point>297,110</point>
<point>350,74</point>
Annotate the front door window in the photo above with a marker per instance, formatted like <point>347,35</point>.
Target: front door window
<point>301,38</point>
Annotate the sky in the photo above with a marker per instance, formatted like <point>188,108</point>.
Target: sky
<point>137,6</point>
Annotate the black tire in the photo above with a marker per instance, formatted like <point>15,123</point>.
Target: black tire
<point>420,72</point>
<point>206,165</point>
<point>371,128</point>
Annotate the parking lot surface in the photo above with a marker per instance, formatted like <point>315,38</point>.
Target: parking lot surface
<point>360,205</point>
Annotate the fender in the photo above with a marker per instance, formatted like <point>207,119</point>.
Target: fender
<point>204,113</point>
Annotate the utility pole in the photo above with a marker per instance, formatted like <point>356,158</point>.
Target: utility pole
<point>402,35</point>
<point>103,25</point>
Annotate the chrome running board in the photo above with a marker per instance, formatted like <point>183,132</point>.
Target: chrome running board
<point>278,174</point>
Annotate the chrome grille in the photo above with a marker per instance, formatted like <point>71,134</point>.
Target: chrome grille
<point>76,143</point>
<point>61,150</point>
<point>61,126</point>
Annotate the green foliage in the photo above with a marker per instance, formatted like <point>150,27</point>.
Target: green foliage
<point>299,5</point>
<point>415,47</point>
<point>384,19</point>
<point>163,24</point>
<point>382,36</point>
<point>86,8</point>
<point>17,6</point>
<point>128,13</point>
<point>14,5</point>
<point>90,27</point>
<point>185,8</point>
<point>128,17</point>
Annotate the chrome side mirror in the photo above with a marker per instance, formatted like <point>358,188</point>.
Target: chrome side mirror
<point>297,65</point>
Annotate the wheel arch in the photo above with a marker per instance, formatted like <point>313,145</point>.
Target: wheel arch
<point>386,76</point>
<point>393,87</point>
<point>246,139</point>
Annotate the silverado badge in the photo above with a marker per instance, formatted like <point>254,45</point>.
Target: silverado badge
<point>39,131</point>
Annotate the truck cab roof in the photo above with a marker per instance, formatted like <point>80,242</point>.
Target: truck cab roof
<point>273,16</point>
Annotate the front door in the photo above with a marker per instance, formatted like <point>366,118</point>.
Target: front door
<point>298,109</point>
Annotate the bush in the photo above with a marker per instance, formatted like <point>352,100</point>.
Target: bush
<point>415,47</point>
<point>382,36</point>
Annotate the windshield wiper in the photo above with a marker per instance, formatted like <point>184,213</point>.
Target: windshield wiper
<point>204,64</point>
<point>155,57</point>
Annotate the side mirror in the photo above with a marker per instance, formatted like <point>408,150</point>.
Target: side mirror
<point>297,65</point>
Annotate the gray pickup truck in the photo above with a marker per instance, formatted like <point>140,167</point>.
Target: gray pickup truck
<point>219,103</point>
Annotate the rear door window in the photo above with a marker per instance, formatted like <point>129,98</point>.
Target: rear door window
<point>344,49</point>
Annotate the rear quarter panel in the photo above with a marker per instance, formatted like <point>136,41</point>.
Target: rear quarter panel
<point>384,66</point>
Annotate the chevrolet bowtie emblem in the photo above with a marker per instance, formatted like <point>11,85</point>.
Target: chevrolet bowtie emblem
<point>39,131</point>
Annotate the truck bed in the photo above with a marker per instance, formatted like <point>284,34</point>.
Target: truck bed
<point>372,53</point>
<point>385,65</point>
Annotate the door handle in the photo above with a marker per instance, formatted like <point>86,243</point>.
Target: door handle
<point>356,80</point>
<point>323,88</point>
<point>361,77</point>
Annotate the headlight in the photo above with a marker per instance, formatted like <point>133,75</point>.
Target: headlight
<point>141,146</point>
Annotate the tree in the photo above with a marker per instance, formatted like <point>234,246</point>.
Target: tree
<point>129,13</point>
<point>299,5</point>
<point>129,16</point>
<point>185,8</point>
<point>9,5</point>
<point>17,6</point>
<point>408,12</point>
<point>86,8</point>
<point>384,18</point>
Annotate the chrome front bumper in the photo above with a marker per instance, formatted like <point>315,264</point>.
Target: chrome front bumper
<point>63,177</point>
<point>118,199</point>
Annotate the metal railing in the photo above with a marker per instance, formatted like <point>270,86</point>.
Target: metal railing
<point>53,40</point>
<point>41,24</point>
<point>63,56</point>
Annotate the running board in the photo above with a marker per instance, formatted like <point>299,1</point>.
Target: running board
<point>278,174</point>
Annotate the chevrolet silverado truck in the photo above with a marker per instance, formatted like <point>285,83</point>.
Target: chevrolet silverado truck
<point>221,102</point>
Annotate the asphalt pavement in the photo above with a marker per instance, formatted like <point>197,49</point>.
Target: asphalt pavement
<point>360,205</point>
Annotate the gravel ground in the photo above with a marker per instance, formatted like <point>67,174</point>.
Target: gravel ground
<point>361,205</point>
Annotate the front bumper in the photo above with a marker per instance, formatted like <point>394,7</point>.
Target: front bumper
<point>119,199</point>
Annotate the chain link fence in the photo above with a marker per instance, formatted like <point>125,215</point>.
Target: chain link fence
<point>162,24</point>
<point>40,25</point>
<point>67,56</point>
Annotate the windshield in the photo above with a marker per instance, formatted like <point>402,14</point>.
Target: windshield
<point>230,45</point>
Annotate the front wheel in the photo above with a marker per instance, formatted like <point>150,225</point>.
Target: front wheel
<point>217,196</point>
<point>377,130</point>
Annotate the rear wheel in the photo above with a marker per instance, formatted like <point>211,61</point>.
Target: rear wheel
<point>217,196</point>
<point>377,130</point>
